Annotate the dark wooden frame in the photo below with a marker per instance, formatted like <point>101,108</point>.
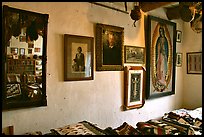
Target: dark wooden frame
<point>197,63</point>
<point>102,31</point>
<point>134,101</point>
<point>23,101</point>
<point>136,60</point>
<point>155,88</point>
<point>71,43</point>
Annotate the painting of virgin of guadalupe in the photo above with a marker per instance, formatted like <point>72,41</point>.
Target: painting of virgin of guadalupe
<point>161,59</point>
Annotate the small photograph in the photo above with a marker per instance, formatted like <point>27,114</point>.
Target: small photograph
<point>30,45</point>
<point>22,51</point>
<point>30,51</point>
<point>22,38</point>
<point>179,59</point>
<point>36,49</point>
<point>134,54</point>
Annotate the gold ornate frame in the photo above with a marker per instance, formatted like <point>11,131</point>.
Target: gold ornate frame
<point>102,32</point>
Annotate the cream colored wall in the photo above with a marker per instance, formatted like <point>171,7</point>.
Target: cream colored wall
<point>98,101</point>
<point>192,84</point>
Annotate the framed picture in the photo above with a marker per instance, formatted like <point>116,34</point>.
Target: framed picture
<point>134,87</point>
<point>179,58</point>
<point>194,62</point>
<point>30,51</point>
<point>134,54</point>
<point>161,57</point>
<point>178,36</point>
<point>36,49</point>
<point>109,48</point>
<point>78,58</point>
<point>22,51</point>
<point>14,51</point>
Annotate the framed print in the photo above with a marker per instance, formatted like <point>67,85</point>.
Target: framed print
<point>22,51</point>
<point>78,58</point>
<point>178,36</point>
<point>30,51</point>
<point>134,87</point>
<point>134,54</point>
<point>179,58</point>
<point>194,62</point>
<point>109,48</point>
<point>161,57</point>
<point>14,51</point>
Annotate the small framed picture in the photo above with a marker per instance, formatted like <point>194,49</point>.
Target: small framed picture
<point>178,36</point>
<point>134,87</point>
<point>179,58</point>
<point>134,54</point>
<point>30,45</point>
<point>36,49</point>
<point>14,51</point>
<point>194,62</point>
<point>30,51</point>
<point>78,58</point>
<point>22,51</point>
<point>22,38</point>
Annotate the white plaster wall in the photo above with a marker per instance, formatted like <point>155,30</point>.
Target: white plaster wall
<point>98,101</point>
<point>193,82</point>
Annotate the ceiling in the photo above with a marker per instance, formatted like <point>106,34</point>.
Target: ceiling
<point>187,11</point>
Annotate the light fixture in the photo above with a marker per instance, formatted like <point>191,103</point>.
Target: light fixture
<point>135,13</point>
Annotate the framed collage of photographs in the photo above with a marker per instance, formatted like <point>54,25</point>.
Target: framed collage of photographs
<point>109,48</point>
<point>161,57</point>
<point>134,54</point>
<point>78,57</point>
<point>134,84</point>
<point>194,62</point>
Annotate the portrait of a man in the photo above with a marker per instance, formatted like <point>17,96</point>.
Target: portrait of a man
<point>112,48</point>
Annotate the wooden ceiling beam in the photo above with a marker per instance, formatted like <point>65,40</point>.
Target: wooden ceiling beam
<point>148,6</point>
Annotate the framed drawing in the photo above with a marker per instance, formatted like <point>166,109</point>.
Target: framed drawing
<point>134,54</point>
<point>194,62</point>
<point>179,58</point>
<point>78,58</point>
<point>134,87</point>
<point>178,36</point>
<point>161,57</point>
<point>109,48</point>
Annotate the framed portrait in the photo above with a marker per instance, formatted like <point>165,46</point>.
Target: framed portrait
<point>194,62</point>
<point>109,48</point>
<point>179,58</point>
<point>78,57</point>
<point>161,57</point>
<point>134,54</point>
<point>134,79</point>
<point>178,36</point>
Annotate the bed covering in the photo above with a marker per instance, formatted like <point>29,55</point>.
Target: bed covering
<point>176,122</point>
